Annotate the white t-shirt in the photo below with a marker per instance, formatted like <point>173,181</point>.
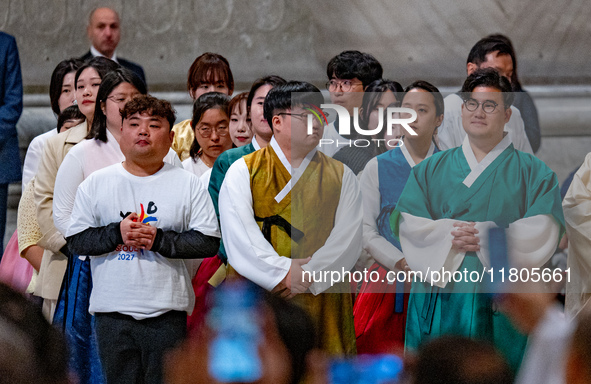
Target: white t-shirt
<point>141,283</point>
<point>81,161</point>
<point>197,168</point>
<point>451,133</point>
<point>205,177</point>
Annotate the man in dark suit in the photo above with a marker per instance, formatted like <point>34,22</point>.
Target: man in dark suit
<point>11,107</point>
<point>104,33</point>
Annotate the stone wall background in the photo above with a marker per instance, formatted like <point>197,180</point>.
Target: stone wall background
<point>427,39</point>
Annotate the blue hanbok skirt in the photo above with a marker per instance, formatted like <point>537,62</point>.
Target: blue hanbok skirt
<point>72,316</point>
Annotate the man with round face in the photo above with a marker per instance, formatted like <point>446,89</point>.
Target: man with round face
<point>450,203</point>
<point>282,223</point>
<point>104,33</point>
<point>492,53</point>
<point>484,125</point>
<point>145,138</point>
<point>138,220</point>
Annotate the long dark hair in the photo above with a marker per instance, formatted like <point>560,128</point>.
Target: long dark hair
<point>57,80</point>
<point>98,130</point>
<point>373,94</point>
<point>102,65</point>
<point>204,103</point>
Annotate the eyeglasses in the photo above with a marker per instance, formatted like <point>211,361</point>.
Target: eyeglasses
<point>488,106</point>
<point>345,85</point>
<point>207,131</point>
<point>119,99</point>
<point>303,116</point>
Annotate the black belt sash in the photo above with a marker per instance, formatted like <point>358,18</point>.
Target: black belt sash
<point>294,233</point>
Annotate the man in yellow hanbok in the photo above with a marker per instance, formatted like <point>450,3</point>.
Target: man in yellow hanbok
<point>291,216</point>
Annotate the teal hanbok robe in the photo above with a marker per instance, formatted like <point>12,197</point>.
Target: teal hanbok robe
<point>509,189</point>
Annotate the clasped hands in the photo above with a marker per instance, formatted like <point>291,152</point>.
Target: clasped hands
<point>465,239</point>
<point>294,282</point>
<point>139,235</point>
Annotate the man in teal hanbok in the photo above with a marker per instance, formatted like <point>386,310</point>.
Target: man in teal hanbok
<point>448,205</point>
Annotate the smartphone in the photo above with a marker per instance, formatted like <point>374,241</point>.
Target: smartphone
<point>366,369</point>
<point>235,319</point>
<point>499,260</point>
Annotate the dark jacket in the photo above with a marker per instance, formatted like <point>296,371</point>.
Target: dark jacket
<point>11,107</point>
<point>135,68</point>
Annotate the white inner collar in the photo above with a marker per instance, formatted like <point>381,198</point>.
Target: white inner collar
<point>275,145</point>
<point>95,53</point>
<point>255,143</point>
<point>295,173</point>
<point>408,157</point>
<point>477,168</point>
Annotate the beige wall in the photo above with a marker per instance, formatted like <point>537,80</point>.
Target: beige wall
<point>427,39</point>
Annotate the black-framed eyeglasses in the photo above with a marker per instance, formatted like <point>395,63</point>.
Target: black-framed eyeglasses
<point>303,116</point>
<point>488,106</point>
<point>345,85</point>
<point>207,131</point>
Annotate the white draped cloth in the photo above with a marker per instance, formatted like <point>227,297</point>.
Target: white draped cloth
<point>427,243</point>
<point>577,215</point>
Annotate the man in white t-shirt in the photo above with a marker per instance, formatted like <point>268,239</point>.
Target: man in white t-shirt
<point>142,221</point>
<point>497,55</point>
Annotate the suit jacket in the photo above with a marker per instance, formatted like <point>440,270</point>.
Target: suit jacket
<point>11,107</point>
<point>135,68</point>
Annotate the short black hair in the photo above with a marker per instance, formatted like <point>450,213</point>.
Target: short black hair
<point>272,80</point>
<point>514,78</point>
<point>57,80</point>
<point>426,86</point>
<point>355,64</point>
<point>72,112</point>
<point>488,77</point>
<point>31,350</point>
<point>150,105</point>
<point>373,94</point>
<point>488,45</point>
<point>297,331</point>
<point>291,94</point>
<point>459,360</point>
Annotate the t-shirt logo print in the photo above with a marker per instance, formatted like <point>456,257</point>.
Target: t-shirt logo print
<point>129,252</point>
<point>151,209</point>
